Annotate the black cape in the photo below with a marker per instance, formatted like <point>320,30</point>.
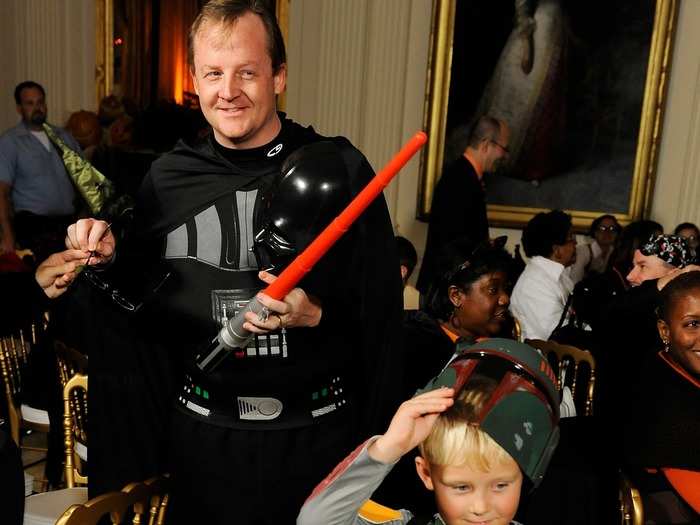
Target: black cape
<point>136,361</point>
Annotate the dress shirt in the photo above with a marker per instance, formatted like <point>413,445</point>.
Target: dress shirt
<point>39,181</point>
<point>539,297</point>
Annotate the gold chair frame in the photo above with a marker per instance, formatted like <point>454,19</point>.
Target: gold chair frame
<point>74,422</point>
<point>562,352</point>
<point>631,507</point>
<point>14,355</point>
<point>147,500</point>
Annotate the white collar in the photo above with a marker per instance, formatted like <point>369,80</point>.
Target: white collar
<point>548,266</point>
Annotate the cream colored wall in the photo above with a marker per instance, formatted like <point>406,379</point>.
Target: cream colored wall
<point>357,68</point>
<point>51,42</point>
<point>677,189</point>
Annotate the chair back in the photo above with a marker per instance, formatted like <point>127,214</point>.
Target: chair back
<point>140,503</point>
<point>14,354</point>
<point>567,359</point>
<point>631,508</point>
<point>74,426</point>
<point>70,362</point>
<point>149,499</point>
<point>113,504</point>
<point>517,330</point>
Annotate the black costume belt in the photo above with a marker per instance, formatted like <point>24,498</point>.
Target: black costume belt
<point>268,411</point>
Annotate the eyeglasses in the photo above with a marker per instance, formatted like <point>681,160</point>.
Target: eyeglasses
<point>504,148</point>
<point>102,285</point>
<point>611,228</point>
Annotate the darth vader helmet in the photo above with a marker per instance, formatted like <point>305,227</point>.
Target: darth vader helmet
<point>310,191</point>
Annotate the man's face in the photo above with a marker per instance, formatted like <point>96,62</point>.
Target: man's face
<point>236,85</point>
<point>647,267</point>
<point>566,253</point>
<point>497,150</point>
<point>32,107</point>
<point>467,496</point>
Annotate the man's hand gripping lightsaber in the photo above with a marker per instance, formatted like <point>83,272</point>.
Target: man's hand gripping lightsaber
<point>233,335</point>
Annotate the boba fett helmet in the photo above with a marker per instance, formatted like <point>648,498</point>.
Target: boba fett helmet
<point>522,412</point>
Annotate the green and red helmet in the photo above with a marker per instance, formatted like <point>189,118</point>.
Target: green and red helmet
<point>522,413</point>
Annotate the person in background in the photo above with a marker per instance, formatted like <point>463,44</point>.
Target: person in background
<point>542,290</point>
<point>407,259</point>
<point>459,207</point>
<point>594,256</point>
<point>36,193</point>
<point>664,429</point>
<point>628,331</point>
<point>691,234</point>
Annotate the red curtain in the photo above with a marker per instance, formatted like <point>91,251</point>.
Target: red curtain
<point>176,17</point>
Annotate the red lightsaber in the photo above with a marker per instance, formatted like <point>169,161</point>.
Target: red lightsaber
<point>233,335</point>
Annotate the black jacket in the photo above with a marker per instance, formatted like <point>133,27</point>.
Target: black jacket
<point>458,210</point>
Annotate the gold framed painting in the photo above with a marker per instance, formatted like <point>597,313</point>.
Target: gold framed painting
<point>582,87</point>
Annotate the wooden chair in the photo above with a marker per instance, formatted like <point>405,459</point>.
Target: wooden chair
<point>48,506</point>
<point>566,357</point>
<point>630,499</point>
<point>71,362</point>
<point>138,503</point>
<point>14,356</point>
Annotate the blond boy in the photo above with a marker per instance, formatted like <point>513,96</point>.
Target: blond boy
<point>485,424</point>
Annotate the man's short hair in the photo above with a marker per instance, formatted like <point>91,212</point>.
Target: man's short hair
<point>485,128</point>
<point>227,12</point>
<point>407,254</point>
<point>471,134</point>
<point>544,231</point>
<point>456,438</point>
<point>25,85</point>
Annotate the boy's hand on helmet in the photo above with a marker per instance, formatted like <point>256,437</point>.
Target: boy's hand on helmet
<point>410,425</point>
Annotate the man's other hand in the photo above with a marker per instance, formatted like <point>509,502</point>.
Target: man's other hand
<point>296,310</point>
<point>58,271</point>
<point>93,236</point>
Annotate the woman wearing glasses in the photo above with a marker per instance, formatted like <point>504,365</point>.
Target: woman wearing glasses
<point>691,234</point>
<point>594,256</point>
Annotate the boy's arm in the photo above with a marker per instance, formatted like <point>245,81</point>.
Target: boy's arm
<point>338,498</point>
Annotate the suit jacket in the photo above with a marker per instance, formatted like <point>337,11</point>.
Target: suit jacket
<point>458,210</point>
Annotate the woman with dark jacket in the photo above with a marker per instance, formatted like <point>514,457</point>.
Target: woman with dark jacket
<point>663,430</point>
<point>468,302</point>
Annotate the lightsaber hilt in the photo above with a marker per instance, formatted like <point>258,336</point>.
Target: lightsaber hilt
<point>231,336</point>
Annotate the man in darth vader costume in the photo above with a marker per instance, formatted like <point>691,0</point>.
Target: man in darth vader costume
<point>272,418</point>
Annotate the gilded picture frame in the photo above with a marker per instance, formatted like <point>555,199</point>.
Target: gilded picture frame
<point>643,155</point>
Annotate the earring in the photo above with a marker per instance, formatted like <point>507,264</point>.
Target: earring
<point>667,345</point>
